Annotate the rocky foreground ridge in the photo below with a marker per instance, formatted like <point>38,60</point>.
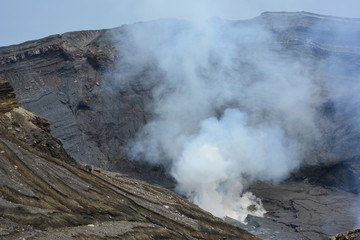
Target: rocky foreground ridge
<point>66,78</point>
<point>45,194</point>
<point>351,235</point>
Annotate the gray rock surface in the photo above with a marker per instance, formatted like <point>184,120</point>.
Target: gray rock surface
<point>302,211</point>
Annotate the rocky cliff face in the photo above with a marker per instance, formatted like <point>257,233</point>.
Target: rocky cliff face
<point>63,78</point>
<point>68,80</point>
<point>45,194</point>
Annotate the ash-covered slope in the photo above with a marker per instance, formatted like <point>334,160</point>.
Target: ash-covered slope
<point>45,194</point>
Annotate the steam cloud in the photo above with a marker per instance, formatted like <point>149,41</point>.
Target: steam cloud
<point>228,109</point>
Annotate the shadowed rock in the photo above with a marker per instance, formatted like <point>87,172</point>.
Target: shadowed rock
<point>8,99</point>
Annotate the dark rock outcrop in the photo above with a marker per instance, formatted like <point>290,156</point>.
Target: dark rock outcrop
<point>350,235</point>
<point>45,194</point>
<point>8,99</point>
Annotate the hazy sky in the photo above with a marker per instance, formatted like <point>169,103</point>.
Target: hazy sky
<point>22,20</point>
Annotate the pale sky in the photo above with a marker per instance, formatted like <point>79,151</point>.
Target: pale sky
<point>22,20</point>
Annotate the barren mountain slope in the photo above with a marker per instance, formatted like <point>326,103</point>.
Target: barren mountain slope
<point>69,79</point>
<point>45,194</point>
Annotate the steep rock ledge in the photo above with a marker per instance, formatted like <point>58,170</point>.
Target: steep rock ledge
<point>8,99</point>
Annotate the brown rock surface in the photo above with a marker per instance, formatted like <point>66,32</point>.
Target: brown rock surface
<point>8,99</point>
<point>350,235</point>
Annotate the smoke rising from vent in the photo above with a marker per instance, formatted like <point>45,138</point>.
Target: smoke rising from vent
<point>228,108</point>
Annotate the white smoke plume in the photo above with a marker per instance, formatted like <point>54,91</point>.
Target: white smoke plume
<point>228,109</point>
